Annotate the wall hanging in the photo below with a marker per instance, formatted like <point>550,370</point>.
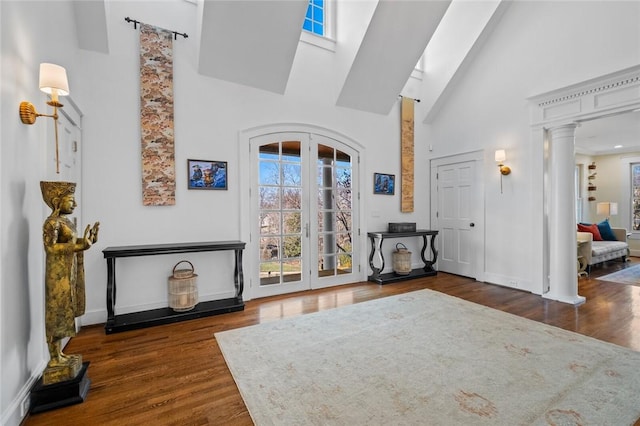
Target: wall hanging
<point>156,114</point>
<point>407,156</point>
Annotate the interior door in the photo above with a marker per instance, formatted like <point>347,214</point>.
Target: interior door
<point>456,202</point>
<point>304,213</point>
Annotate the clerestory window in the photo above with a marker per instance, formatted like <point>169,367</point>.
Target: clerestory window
<point>314,21</point>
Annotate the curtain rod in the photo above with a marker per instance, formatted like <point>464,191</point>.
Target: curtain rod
<point>175,33</point>
<point>400,96</point>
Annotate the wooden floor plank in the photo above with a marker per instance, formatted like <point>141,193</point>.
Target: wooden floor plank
<point>176,375</point>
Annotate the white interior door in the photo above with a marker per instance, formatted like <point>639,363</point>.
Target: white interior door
<point>304,213</point>
<point>455,218</point>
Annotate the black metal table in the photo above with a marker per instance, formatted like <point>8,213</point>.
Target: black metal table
<point>426,271</point>
<point>135,320</point>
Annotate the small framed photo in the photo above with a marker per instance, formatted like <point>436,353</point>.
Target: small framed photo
<point>206,174</point>
<point>384,184</point>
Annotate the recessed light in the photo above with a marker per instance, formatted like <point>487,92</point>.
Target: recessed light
<point>617,147</point>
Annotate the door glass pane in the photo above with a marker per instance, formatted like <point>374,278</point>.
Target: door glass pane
<point>269,223</point>
<point>280,190</point>
<point>292,223</point>
<point>269,198</point>
<point>269,273</point>
<point>292,198</point>
<point>334,204</point>
<point>326,266</point>
<point>292,270</point>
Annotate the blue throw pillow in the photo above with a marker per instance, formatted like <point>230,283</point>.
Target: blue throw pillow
<point>605,231</point>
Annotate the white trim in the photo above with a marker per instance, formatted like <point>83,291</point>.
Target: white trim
<point>478,157</point>
<point>610,94</point>
<point>625,199</point>
<point>318,41</point>
<point>245,184</point>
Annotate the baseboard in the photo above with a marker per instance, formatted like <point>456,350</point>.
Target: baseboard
<point>14,414</point>
<point>99,316</point>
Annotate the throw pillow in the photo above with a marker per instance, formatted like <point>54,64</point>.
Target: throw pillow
<point>605,231</point>
<point>585,227</point>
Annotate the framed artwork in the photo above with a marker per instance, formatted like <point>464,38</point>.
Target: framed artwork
<point>384,184</point>
<point>206,174</point>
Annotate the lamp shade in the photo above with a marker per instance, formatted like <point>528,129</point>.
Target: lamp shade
<point>53,80</point>
<point>501,155</point>
<point>607,209</point>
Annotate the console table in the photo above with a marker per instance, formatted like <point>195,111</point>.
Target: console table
<point>377,238</point>
<point>116,323</point>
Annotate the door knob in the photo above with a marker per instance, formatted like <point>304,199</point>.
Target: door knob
<point>472,224</point>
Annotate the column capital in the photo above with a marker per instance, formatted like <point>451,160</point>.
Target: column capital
<point>568,127</point>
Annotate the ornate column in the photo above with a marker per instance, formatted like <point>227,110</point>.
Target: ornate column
<point>563,278</point>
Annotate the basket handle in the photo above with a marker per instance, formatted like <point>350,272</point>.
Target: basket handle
<point>174,268</point>
<point>400,244</point>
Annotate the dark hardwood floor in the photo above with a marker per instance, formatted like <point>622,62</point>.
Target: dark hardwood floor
<point>176,375</point>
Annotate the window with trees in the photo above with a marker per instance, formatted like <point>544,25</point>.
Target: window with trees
<point>635,196</point>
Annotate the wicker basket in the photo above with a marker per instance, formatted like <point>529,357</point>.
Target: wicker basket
<point>401,260</point>
<point>183,288</point>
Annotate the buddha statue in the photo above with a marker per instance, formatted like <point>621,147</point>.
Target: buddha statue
<point>64,277</point>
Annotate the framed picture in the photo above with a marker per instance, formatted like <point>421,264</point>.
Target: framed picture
<point>384,184</point>
<point>206,174</point>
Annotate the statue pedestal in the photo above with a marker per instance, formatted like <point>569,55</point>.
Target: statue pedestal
<point>57,395</point>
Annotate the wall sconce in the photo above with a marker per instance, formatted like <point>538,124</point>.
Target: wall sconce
<point>53,81</point>
<point>607,209</point>
<point>500,156</point>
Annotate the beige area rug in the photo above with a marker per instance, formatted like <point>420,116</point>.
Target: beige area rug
<point>425,358</point>
<point>624,276</point>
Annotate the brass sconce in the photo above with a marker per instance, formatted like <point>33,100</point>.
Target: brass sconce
<point>500,157</point>
<point>53,81</point>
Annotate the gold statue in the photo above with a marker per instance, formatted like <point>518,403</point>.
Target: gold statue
<point>64,277</point>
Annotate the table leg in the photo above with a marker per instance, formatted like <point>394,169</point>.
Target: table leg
<point>428,264</point>
<point>238,276</point>
<point>111,289</point>
<point>376,271</point>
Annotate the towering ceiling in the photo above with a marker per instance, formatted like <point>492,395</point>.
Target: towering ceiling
<point>254,43</point>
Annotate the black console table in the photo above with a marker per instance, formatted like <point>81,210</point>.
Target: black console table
<point>391,277</point>
<point>116,323</point>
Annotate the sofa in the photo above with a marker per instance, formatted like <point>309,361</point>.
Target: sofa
<point>595,252</point>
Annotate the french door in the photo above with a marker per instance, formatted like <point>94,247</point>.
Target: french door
<point>304,213</point>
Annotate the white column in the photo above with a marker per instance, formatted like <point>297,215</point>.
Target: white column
<point>563,278</point>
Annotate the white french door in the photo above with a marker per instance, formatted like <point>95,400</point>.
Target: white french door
<point>303,212</point>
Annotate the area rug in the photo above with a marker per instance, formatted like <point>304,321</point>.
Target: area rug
<point>425,358</point>
<point>624,276</point>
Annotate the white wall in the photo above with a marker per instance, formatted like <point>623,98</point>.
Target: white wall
<point>209,116</point>
<point>26,42</point>
<point>537,47</point>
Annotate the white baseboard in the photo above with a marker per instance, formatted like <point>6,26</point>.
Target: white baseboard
<point>13,416</point>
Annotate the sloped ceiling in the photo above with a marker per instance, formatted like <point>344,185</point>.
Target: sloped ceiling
<point>91,25</point>
<point>254,43</point>
<point>251,42</point>
<point>395,39</point>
